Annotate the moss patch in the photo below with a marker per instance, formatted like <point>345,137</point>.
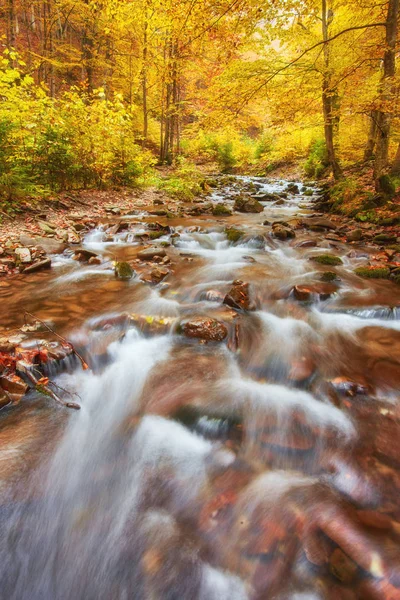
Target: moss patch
<point>329,276</point>
<point>233,234</point>
<point>372,272</point>
<point>385,238</point>
<point>327,259</point>
<point>123,270</point>
<point>221,210</point>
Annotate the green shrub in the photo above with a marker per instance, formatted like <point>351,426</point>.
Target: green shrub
<point>317,161</point>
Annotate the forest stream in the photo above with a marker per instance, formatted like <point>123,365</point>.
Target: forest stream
<point>239,435</point>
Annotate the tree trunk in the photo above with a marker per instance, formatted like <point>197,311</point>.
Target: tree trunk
<point>395,170</point>
<point>328,96</point>
<point>144,81</point>
<point>372,134</point>
<point>11,24</point>
<point>387,92</point>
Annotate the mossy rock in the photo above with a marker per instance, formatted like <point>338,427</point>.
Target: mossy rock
<point>327,259</point>
<point>386,185</point>
<point>220,210</point>
<point>372,272</point>
<point>395,247</point>
<point>385,238</point>
<point>233,234</point>
<point>123,270</point>
<point>308,193</point>
<point>329,276</point>
<point>154,235</point>
<point>389,221</point>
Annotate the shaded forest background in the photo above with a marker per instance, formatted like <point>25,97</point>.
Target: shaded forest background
<point>97,93</point>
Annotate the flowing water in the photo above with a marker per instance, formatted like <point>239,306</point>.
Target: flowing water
<point>266,466</point>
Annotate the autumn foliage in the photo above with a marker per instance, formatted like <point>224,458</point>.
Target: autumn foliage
<point>94,94</point>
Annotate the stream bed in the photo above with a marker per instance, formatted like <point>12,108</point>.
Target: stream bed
<point>239,431</point>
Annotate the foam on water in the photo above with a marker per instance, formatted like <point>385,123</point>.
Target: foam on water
<point>260,399</point>
<point>221,585</point>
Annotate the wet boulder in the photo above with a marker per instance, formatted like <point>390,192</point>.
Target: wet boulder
<point>24,255</point>
<point>221,210</point>
<point>212,296</point>
<point>355,235</point>
<point>373,272</point>
<point>328,276</point>
<point>83,255</point>
<point>151,253</point>
<point>246,204</point>
<point>313,292</point>
<point>267,197</point>
<point>385,238</point>
<point>327,259</point>
<point>239,296</point>
<point>282,232</point>
<point>123,270</point>
<point>319,224</point>
<point>39,265</point>
<point>233,234</point>
<point>13,387</point>
<point>306,244</point>
<point>342,567</point>
<point>156,275</point>
<point>293,188</point>
<point>204,328</point>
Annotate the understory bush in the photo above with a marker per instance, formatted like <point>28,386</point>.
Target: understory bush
<point>74,141</point>
<point>317,160</point>
<point>186,182</point>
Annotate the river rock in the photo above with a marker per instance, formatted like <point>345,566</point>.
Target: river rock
<point>221,210</point>
<point>239,296</point>
<point>49,246</point>
<point>212,296</point>
<point>123,270</point>
<point>233,234</point>
<point>327,259</point>
<point>385,238</point>
<point>315,291</point>
<point>14,387</point>
<point>355,235</point>
<point>306,244</point>
<point>24,255</point>
<point>342,567</point>
<point>46,227</point>
<point>40,265</point>
<point>83,255</point>
<point>150,253</point>
<point>248,205</point>
<point>158,274</point>
<point>204,328</point>
<point>293,188</point>
<point>282,232</point>
<point>319,223</point>
<point>267,196</point>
